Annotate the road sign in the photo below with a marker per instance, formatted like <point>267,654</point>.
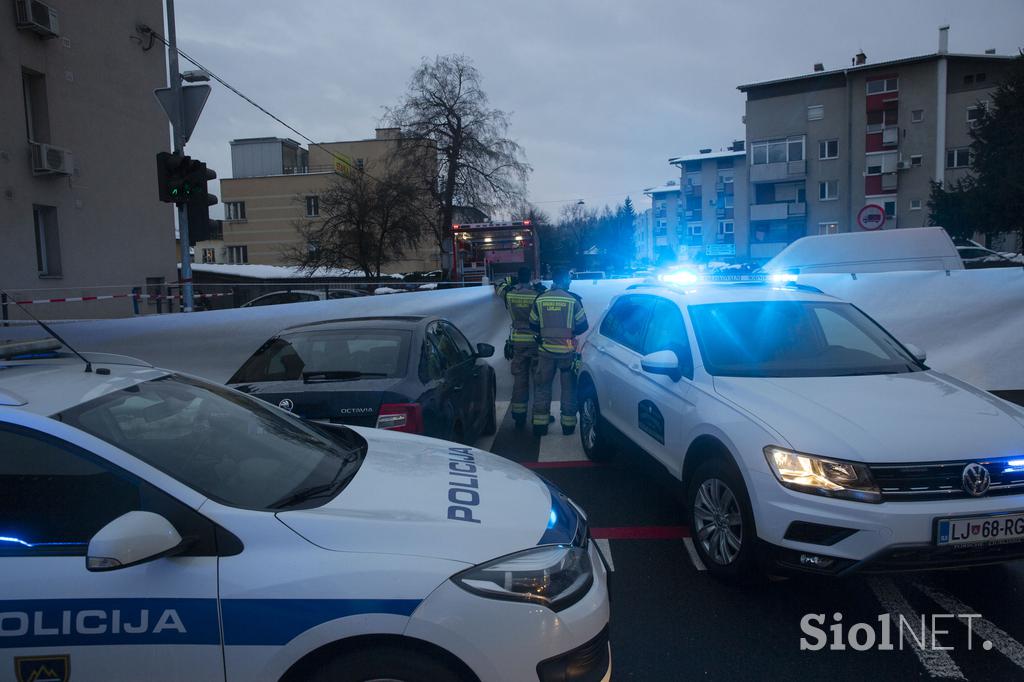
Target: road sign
<point>194,97</point>
<point>720,250</point>
<point>871,217</point>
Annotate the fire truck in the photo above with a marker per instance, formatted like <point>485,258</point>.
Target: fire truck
<point>494,250</point>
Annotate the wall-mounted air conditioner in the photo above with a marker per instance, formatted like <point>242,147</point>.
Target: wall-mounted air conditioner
<point>37,16</point>
<point>48,160</point>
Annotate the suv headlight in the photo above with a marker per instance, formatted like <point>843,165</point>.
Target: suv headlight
<point>822,476</point>
<point>556,576</point>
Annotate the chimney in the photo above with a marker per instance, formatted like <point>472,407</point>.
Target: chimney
<point>705,151</point>
<point>944,39</point>
<point>990,50</point>
<point>388,133</point>
<point>860,58</point>
<point>819,67</point>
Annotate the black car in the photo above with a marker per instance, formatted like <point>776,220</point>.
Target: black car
<point>414,374</point>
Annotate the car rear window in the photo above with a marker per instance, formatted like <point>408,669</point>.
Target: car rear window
<point>333,355</point>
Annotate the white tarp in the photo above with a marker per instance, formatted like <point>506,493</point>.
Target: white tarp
<point>971,322</point>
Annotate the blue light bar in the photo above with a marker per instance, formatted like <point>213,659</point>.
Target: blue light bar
<point>552,519</point>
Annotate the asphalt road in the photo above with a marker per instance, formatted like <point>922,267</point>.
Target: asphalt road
<point>672,621</point>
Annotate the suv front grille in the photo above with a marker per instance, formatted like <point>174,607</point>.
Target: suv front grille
<point>944,480</point>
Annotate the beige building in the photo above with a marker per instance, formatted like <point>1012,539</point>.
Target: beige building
<point>276,186</point>
<point>855,148</point>
<point>79,210</point>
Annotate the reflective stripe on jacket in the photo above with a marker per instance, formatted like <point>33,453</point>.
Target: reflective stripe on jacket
<point>519,301</point>
<point>557,316</point>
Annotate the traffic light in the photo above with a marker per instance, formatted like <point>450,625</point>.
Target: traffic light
<point>183,180</point>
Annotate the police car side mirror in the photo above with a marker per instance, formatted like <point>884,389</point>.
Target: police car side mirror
<point>131,539</point>
<point>663,362</point>
<point>484,350</point>
<point>918,353</point>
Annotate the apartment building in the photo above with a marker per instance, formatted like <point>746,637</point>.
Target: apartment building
<point>643,237</point>
<point>855,148</point>
<point>712,222</point>
<point>79,208</point>
<point>665,218</point>
<point>276,186</point>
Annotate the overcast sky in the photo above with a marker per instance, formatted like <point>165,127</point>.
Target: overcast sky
<point>601,92</point>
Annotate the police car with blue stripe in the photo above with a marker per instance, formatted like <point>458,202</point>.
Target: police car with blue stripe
<point>154,526</point>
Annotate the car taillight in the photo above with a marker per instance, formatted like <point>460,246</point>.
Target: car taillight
<point>406,417</point>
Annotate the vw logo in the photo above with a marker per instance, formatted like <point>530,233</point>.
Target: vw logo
<point>287,404</point>
<point>976,479</point>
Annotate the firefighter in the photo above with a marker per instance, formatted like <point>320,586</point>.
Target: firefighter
<point>519,301</point>
<point>557,318</point>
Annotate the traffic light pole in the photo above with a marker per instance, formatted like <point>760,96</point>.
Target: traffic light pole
<point>177,128</point>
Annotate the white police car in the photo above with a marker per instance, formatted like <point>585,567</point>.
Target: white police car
<point>154,526</point>
<point>805,435</point>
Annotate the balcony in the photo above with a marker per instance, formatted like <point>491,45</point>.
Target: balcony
<point>693,214</point>
<point>777,211</point>
<point>797,208</point>
<point>783,170</point>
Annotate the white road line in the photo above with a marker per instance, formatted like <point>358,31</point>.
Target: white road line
<point>937,663</point>
<point>1000,640</point>
<point>555,447</point>
<point>694,557</point>
<point>605,545</point>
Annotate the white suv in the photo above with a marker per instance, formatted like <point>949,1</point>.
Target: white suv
<point>804,434</point>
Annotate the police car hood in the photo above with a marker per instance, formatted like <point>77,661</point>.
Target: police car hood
<point>425,497</point>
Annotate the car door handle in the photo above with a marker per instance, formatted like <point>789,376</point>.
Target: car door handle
<point>635,367</point>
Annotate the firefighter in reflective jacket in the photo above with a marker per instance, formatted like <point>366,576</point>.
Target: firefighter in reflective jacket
<point>557,317</point>
<point>519,301</point>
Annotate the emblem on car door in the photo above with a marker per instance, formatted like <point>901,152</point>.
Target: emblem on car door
<point>976,479</point>
<point>286,404</point>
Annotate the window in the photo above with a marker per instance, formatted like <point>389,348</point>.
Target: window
<point>828,228</point>
<point>626,322</point>
<point>828,149</point>
<point>696,229</point>
<point>445,345</point>
<point>37,118</point>
<point>777,151</point>
<point>726,227</point>
<point>238,254</point>
<point>876,164</point>
<point>828,190</point>
<point>462,344</point>
<point>917,115</point>
<point>881,85</point>
<point>728,201</point>
<point>890,208</point>
<point>209,255</point>
<point>360,164</point>
<point>815,112</point>
<point>661,228</point>
<point>319,356</point>
<point>915,204</point>
<point>47,241</point>
<point>234,210</point>
<point>668,332</point>
<point>312,206</point>
<point>974,114</point>
<point>915,161</point>
<point>958,158</point>
<point>660,208</point>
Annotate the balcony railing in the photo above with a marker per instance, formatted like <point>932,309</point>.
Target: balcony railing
<point>797,208</point>
<point>783,170</point>
<point>777,211</point>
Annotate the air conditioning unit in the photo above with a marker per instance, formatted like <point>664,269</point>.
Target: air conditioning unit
<point>903,165</point>
<point>48,160</point>
<point>37,16</point>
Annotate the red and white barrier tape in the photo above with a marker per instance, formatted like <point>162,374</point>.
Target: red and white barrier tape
<point>107,297</point>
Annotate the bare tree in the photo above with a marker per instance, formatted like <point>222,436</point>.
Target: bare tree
<point>446,108</point>
<point>367,220</point>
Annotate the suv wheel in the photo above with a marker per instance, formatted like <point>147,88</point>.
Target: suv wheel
<point>721,521</point>
<point>593,430</point>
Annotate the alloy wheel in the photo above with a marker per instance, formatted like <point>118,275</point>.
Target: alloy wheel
<point>718,521</point>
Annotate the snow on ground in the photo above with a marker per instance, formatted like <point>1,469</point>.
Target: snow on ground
<point>276,271</point>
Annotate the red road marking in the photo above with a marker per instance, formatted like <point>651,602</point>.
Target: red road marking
<point>640,533</point>
<point>563,464</point>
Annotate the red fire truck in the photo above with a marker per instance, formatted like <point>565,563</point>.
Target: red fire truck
<point>494,249</point>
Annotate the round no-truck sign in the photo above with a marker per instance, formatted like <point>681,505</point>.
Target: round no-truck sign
<point>871,217</point>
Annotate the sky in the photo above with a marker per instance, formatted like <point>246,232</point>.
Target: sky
<point>601,93</point>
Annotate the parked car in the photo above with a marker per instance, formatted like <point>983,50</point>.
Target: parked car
<point>415,374</point>
<point>977,256</point>
<point>805,436</point>
<point>179,530</point>
<point>589,274</point>
<point>292,296</point>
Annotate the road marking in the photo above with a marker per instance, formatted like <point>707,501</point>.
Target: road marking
<point>606,551</point>
<point>694,557</point>
<point>640,532</point>
<point>995,637</point>
<point>555,447</point>
<point>938,663</point>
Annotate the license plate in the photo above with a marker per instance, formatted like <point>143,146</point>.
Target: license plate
<point>980,530</point>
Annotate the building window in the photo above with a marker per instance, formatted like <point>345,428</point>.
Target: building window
<point>360,164</point>
<point>915,204</point>
<point>777,151</point>
<point>238,254</point>
<point>890,208</point>
<point>234,210</point>
<point>312,206</point>
<point>696,230</point>
<point>47,241</point>
<point>828,228</point>
<point>958,158</point>
<point>878,163</point>
<point>815,112</point>
<point>828,190</point>
<point>726,227</point>
<point>979,78</point>
<point>209,255</point>
<point>828,149</point>
<point>915,161</point>
<point>917,115</point>
<point>973,115</point>
<point>881,85</point>
<point>37,119</point>
<point>661,228</point>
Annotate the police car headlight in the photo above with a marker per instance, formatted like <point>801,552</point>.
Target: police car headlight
<point>556,576</point>
<point>821,476</point>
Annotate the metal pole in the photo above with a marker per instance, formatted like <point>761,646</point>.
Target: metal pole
<point>179,148</point>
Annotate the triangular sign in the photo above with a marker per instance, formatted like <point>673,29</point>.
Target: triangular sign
<point>194,97</point>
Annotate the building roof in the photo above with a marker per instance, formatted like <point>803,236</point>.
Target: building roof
<point>710,155</point>
<point>875,65</point>
<point>663,189</point>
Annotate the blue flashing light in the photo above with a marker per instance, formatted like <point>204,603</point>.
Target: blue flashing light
<point>17,541</point>
<point>552,519</point>
<point>783,278</point>
<point>1015,463</point>
<point>23,543</point>
<point>683,277</point>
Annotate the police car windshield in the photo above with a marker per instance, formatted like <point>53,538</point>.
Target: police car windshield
<point>795,339</point>
<point>229,447</point>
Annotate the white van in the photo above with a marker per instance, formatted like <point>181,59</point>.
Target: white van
<point>919,248</point>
